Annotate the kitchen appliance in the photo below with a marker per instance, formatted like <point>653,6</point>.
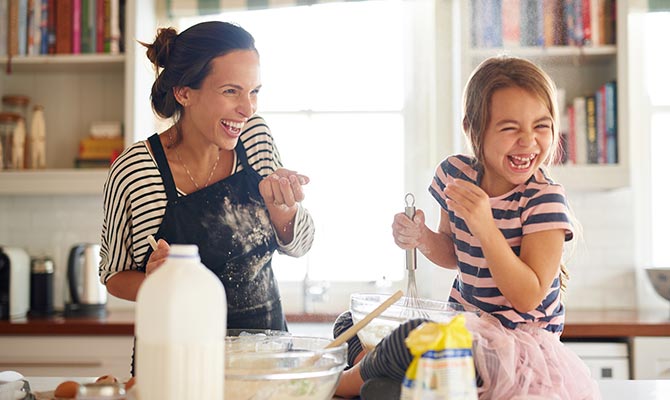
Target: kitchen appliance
<point>87,296</point>
<point>14,282</point>
<point>41,287</point>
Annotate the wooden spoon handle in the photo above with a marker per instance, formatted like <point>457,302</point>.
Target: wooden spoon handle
<point>349,333</point>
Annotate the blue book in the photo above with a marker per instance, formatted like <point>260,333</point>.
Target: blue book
<point>44,30</point>
<point>611,122</point>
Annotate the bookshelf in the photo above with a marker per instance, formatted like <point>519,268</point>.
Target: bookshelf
<point>75,90</point>
<point>580,70</point>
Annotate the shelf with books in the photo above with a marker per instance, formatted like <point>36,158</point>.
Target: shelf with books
<point>77,90</point>
<point>582,62</point>
<point>64,62</point>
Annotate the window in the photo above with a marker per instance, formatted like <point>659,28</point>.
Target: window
<point>333,95</point>
<point>657,83</point>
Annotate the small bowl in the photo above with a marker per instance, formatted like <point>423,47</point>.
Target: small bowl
<point>282,367</point>
<point>660,280</point>
<point>362,304</point>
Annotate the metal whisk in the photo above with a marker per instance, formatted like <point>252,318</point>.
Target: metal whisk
<point>411,304</point>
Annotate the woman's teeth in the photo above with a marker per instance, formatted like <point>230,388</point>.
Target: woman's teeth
<point>521,162</point>
<point>233,126</point>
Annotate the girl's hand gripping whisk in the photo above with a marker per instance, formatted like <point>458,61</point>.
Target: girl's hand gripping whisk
<point>411,302</point>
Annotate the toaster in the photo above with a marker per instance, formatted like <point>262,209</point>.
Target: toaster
<point>14,282</point>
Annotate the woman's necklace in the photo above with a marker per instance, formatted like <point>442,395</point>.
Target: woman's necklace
<point>183,164</point>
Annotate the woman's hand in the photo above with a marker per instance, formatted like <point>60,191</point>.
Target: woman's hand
<point>472,203</point>
<point>283,189</point>
<point>158,257</point>
<point>410,233</point>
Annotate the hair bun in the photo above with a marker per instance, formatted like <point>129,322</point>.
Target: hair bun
<point>159,51</point>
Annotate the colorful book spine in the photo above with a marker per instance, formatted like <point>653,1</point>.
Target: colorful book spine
<point>591,131</point>
<point>114,28</point>
<point>581,140</point>
<point>511,23</point>
<point>600,125</point>
<point>30,28</point>
<point>23,27</point>
<point>611,122</point>
<point>76,26</point>
<point>4,17</point>
<point>100,26</point>
<point>587,37</point>
<point>64,26</point>
<point>572,136</point>
<point>51,26</point>
<point>44,31</point>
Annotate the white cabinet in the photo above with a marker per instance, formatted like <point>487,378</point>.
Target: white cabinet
<point>579,70</point>
<point>605,360</point>
<point>651,358</point>
<point>67,355</point>
<point>75,90</point>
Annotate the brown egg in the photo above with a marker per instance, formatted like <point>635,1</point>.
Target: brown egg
<point>67,390</point>
<point>107,379</point>
<point>130,383</point>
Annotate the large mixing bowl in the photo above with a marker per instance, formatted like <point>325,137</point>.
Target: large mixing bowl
<point>363,303</point>
<point>282,367</point>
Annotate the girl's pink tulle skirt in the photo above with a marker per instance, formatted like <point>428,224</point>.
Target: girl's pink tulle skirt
<point>527,363</point>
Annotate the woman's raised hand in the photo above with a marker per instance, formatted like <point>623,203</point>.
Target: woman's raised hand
<point>283,188</point>
<point>158,257</point>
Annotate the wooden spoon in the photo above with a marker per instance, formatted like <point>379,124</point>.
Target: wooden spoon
<point>349,333</point>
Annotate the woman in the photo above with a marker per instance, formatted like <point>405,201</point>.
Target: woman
<point>214,178</point>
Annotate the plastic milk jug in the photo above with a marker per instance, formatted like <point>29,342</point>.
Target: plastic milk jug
<point>180,326</point>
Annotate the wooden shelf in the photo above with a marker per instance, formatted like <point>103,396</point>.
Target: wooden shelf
<point>559,54</point>
<point>595,177</point>
<point>64,62</point>
<point>53,181</point>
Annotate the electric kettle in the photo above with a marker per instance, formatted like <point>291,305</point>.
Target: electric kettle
<point>88,297</point>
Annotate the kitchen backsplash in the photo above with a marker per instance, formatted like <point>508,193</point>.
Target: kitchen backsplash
<point>603,273</point>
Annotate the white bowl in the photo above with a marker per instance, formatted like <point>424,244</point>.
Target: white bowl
<point>282,367</point>
<point>361,304</point>
<point>660,280</point>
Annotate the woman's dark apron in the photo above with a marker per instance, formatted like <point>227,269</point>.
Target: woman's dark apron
<point>231,226</point>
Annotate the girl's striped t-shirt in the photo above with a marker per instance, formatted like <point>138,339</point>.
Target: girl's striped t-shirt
<point>535,206</point>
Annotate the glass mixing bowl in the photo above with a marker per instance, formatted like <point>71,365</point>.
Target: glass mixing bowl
<point>282,367</point>
<point>362,304</point>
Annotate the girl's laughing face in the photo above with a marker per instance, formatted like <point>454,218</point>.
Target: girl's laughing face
<point>517,139</point>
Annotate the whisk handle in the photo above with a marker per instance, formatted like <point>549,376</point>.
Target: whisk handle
<point>410,255</point>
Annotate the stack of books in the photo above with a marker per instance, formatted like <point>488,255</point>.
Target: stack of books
<point>40,27</point>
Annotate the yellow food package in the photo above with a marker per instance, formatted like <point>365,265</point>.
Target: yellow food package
<point>442,367</point>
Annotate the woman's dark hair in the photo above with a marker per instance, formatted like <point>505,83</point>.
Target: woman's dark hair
<point>185,59</point>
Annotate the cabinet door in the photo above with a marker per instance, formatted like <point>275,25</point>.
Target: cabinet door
<point>651,358</point>
<point>67,355</point>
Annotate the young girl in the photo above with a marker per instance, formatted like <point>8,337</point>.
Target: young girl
<point>503,223</point>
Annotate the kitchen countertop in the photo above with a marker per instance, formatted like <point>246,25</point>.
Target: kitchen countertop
<point>579,324</point>
<point>610,389</point>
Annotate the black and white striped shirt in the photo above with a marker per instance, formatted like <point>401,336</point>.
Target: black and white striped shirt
<point>134,201</point>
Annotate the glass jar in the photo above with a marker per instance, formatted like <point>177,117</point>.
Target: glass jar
<point>8,121</point>
<point>16,103</point>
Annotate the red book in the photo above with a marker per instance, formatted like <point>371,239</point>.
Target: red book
<point>586,22</point>
<point>63,26</point>
<point>100,26</point>
<point>76,26</point>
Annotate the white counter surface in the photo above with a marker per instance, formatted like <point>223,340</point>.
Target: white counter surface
<point>610,389</point>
